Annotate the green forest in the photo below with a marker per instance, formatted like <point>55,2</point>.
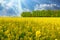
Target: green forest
<point>42,13</point>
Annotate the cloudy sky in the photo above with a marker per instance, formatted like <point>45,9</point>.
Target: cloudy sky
<point>15,7</point>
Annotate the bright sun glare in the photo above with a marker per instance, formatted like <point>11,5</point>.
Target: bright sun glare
<point>11,4</point>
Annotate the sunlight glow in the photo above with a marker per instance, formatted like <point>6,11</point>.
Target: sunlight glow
<point>14,4</point>
<point>19,6</point>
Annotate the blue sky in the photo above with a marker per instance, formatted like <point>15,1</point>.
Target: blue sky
<point>15,7</point>
<point>30,4</point>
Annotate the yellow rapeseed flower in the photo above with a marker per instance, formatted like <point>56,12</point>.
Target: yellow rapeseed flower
<point>6,32</point>
<point>38,33</point>
<point>56,39</point>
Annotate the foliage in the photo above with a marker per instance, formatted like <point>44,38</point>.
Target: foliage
<point>26,14</point>
<point>29,29</point>
<point>42,13</point>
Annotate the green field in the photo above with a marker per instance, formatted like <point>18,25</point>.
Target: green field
<point>41,28</point>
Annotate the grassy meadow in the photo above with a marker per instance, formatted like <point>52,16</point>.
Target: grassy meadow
<point>25,28</point>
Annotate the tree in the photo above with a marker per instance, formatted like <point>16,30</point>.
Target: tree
<point>36,13</point>
<point>26,14</point>
<point>58,13</point>
<point>42,13</point>
<point>39,13</point>
<point>49,13</point>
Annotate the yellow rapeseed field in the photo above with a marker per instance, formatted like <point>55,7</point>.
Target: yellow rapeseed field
<point>15,28</point>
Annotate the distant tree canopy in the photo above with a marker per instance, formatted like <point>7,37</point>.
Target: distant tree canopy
<point>26,14</point>
<point>42,13</point>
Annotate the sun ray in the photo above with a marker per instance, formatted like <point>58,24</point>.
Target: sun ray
<point>19,6</point>
<point>14,4</point>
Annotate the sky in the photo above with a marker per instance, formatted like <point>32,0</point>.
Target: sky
<point>16,7</point>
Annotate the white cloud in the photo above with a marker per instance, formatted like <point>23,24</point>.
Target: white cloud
<point>26,10</point>
<point>44,6</point>
<point>9,4</point>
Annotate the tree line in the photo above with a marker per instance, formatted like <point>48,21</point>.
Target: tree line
<point>42,13</point>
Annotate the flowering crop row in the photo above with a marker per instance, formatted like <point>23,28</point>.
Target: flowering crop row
<point>27,29</point>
